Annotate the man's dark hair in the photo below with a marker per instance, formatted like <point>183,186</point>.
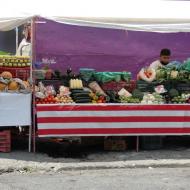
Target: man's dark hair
<point>165,52</point>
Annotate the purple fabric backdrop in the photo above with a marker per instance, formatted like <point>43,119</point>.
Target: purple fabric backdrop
<point>103,49</point>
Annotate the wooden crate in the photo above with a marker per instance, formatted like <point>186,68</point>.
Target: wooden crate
<point>115,144</point>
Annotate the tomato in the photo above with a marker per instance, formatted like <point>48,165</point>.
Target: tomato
<point>99,101</point>
<point>49,99</point>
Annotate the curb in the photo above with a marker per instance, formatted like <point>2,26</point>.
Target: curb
<point>61,167</point>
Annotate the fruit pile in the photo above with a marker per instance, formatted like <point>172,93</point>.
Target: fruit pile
<point>14,61</point>
<point>153,98</point>
<point>124,99</point>
<point>10,84</point>
<point>48,100</point>
<point>98,98</point>
<point>64,99</point>
<point>178,100</point>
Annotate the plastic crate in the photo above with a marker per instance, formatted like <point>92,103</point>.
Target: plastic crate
<point>183,86</point>
<point>151,142</point>
<point>17,72</point>
<point>144,86</point>
<point>5,141</point>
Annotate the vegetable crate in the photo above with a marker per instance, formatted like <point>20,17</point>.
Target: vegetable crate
<point>144,86</point>
<point>17,72</point>
<point>115,144</point>
<point>5,141</point>
<point>183,86</point>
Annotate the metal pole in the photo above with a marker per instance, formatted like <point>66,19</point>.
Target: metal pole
<point>31,125</point>
<point>30,138</point>
<point>16,30</point>
<point>33,81</point>
<point>137,143</point>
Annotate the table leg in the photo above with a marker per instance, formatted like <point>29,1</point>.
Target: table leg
<point>30,138</point>
<point>137,143</point>
<point>34,139</point>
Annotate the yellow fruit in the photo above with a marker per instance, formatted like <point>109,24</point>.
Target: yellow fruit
<point>95,97</point>
<point>13,85</point>
<point>2,86</point>
<point>6,75</point>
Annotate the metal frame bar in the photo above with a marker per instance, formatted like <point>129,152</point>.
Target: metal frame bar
<point>137,143</point>
<point>16,31</point>
<point>33,130</point>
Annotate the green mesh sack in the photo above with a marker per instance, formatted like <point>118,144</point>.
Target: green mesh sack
<point>126,76</point>
<point>185,66</point>
<point>112,76</point>
<point>107,76</point>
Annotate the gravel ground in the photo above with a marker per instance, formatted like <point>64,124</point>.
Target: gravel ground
<point>23,161</point>
<point>135,179</point>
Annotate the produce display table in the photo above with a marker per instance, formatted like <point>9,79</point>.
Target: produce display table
<point>15,109</point>
<point>112,120</point>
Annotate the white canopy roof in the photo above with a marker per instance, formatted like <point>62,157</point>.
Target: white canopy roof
<point>146,15</point>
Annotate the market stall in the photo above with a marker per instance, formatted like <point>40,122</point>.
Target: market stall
<point>15,96</point>
<point>62,91</point>
<point>77,96</point>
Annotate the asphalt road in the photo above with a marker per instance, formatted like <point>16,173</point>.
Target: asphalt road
<point>115,179</point>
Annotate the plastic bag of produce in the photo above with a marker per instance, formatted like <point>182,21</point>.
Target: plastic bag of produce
<point>96,88</point>
<point>185,66</point>
<point>116,76</point>
<point>4,81</point>
<point>50,90</point>
<point>86,74</point>
<point>24,86</point>
<point>124,93</point>
<point>174,64</point>
<point>40,95</point>
<point>160,89</point>
<point>41,87</point>
<point>147,74</point>
<point>64,91</point>
<point>126,76</point>
<point>108,76</point>
<point>103,77</point>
